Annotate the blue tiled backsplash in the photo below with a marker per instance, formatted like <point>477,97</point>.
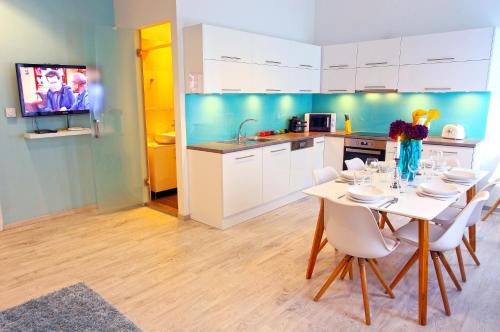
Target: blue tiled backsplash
<point>216,117</point>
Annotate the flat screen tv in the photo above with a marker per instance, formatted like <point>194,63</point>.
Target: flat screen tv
<point>52,89</point>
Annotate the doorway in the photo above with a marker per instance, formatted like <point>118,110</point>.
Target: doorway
<point>158,90</point>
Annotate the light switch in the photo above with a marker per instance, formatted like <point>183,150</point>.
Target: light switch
<point>10,112</point>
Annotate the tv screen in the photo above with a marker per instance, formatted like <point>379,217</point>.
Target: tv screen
<point>52,89</point>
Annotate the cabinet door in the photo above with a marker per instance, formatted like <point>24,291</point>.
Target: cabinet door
<point>301,165</point>
<point>444,77</point>
<point>275,171</point>
<point>340,56</point>
<point>242,180</point>
<point>464,155</point>
<point>227,44</point>
<point>304,55</point>
<point>379,53</point>
<point>449,46</point>
<point>271,51</point>
<point>377,78</point>
<point>338,80</point>
<point>318,154</point>
<point>227,77</point>
<point>334,152</point>
<point>162,167</point>
<point>304,80</point>
<point>271,79</point>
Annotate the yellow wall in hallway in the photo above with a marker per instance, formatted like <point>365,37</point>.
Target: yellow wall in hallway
<point>158,79</point>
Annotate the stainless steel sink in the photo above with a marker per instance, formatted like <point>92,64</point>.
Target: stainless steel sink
<point>247,140</point>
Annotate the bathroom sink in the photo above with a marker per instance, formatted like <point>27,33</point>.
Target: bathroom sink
<point>165,138</point>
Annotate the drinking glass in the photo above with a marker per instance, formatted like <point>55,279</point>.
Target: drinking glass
<point>429,168</point>
<point>404,180</point>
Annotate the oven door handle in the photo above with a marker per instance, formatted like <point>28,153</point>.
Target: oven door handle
<point>375,153</point>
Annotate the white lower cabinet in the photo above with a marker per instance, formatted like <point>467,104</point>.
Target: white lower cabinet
<point>464,155</point>
<point>301,169</point>
<point>319,152</point>
<point>334,152</point>
<point>275,171</point>
<point>242,180</point>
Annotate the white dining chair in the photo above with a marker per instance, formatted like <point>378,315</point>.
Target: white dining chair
<point>355,164</point>
<point>495,178</point>
<point>324,174</point>
<point>441,239</point>
<point>353,230</point>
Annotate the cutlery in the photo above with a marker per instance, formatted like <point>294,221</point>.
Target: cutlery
<point>425,196</point>
<point>393,201</point>
<point>341,196</point>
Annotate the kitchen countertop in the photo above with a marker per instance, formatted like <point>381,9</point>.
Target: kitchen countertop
<point>221,147</point>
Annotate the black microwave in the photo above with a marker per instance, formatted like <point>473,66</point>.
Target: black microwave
<point>322,122</point>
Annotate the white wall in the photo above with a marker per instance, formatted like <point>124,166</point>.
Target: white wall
<point>290,19</point>
<point>340,21</point>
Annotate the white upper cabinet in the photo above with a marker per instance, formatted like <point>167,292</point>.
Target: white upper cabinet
<point>304,80</point>
<point>377,78</point>
<point>383,52</point>
<point>227,77</point>
<point>444,77</point>
<point>227,44</point>
<point>269,79</point>
<point>338,80</point>
<point>447,47</point>
<point>340,56</point>
<point>271,51</point>
<point>305,56</point>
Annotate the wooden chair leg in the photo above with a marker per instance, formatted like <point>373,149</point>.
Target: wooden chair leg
<point>461,263</point>
<point>323,243</point>
<point>470,250</point>
<point>332,277</point>
<point>346,268</point>
<point>492,208</point>
<point>442,288</point>
<point>350,272</point>
<point>364,289</point>
<point>380,277</point>
<point>449,270</point>
<point>404,270</point>
<point>384,220</point>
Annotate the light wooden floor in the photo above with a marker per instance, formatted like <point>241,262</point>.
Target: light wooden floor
<point>169,275</point>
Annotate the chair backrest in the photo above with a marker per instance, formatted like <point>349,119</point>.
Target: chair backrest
<point>355,164</point>
<point>352,229</point>
<point>453,235</point>
<point>325,174</point>
<point>495,176</point>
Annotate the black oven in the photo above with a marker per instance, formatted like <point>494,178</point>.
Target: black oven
<point>363,149</point>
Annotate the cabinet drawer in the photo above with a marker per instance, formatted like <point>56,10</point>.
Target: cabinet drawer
<point>447,47</point>
<point>444,77</point>
<point>377,78</point>
<point>242,180</point>
<point>374,53</point>
<point>338,80</point>
<point>464,155</point>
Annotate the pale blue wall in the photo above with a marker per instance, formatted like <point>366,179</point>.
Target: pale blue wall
<point>45,176</point>
<point>216,117</point>
<point>375,111</point>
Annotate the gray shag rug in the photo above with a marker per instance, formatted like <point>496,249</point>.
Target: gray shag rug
<point>74,308</point>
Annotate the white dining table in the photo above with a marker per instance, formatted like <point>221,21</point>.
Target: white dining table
<point>409,204</point>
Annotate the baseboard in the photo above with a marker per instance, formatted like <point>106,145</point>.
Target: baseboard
<point>55,215</point>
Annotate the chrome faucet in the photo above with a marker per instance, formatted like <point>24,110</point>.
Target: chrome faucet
<point>241,125</point>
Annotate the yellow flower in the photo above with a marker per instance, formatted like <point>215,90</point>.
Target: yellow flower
<point>431,115</point>
<point>417,114</point>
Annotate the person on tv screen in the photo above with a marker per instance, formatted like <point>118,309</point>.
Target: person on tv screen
<point>60,98</point>
<point>79,82</point>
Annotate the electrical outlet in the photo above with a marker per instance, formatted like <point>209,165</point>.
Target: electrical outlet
<point>10,112</point>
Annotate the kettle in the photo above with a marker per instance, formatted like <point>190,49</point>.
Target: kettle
<point>453,131</point>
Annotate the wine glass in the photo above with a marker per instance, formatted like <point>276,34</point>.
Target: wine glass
<point>372,164</point>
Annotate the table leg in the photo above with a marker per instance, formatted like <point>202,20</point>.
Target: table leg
<point>318,234</point>
<point>472,229</point>
<point>423,257</point>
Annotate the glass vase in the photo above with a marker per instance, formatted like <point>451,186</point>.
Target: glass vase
<point>410,153</point>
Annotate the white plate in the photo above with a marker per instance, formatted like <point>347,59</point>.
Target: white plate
<point>363,201</point>
<point>423,193</point>
<point>460,174</point>
<point>444,178</point>
<point>348,175</point>
<point>439,188</point>
<point>365,193</point>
